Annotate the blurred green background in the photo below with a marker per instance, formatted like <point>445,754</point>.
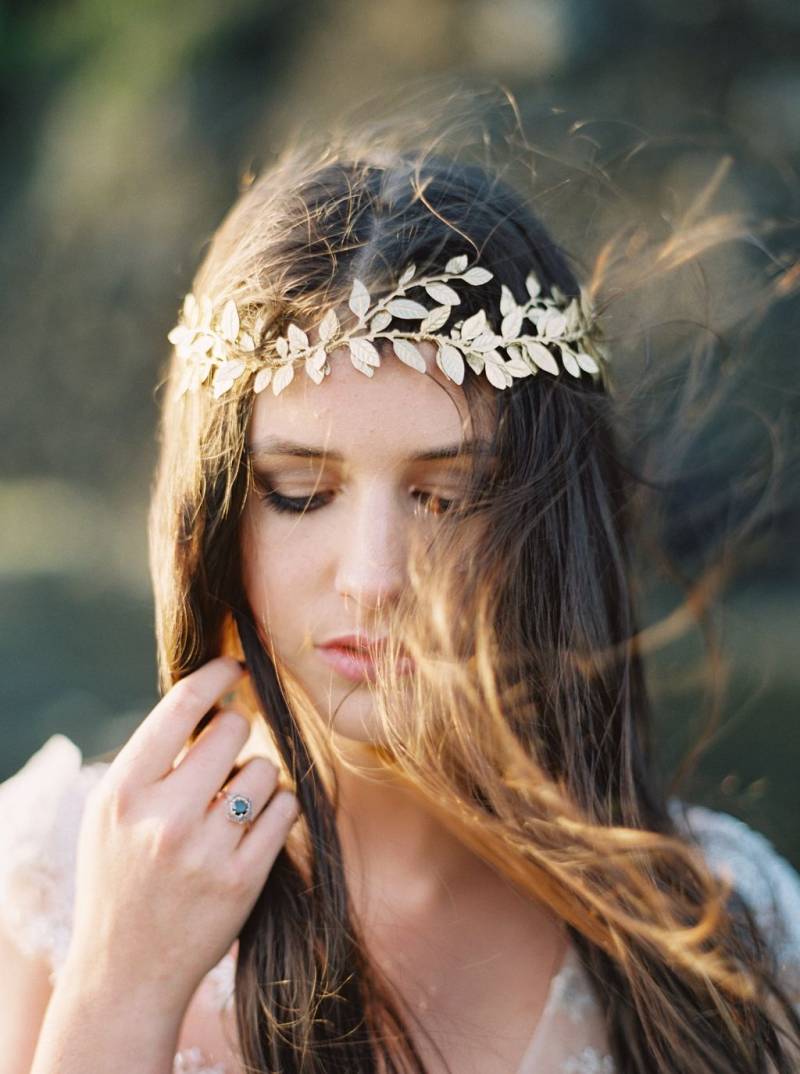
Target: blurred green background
<point>127,128</point>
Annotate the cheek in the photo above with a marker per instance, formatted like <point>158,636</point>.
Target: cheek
<point>282,574</point>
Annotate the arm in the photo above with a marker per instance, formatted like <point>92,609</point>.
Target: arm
<point>93,1027</point>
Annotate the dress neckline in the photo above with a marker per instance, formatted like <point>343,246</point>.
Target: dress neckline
<point>568,964</point>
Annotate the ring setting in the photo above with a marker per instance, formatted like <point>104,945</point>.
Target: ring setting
<point>239,808</point>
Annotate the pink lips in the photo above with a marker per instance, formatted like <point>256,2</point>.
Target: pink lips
<point>350,656</point>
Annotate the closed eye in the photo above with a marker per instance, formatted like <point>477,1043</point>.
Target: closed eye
<point>294,504</point>
<point>430,502</point>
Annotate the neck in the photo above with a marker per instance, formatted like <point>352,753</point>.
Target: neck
<point>395,846</point>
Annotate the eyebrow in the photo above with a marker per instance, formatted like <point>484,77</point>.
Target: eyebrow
<point>272,445</point>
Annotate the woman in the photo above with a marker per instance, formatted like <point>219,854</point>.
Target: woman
<point>390,486</point>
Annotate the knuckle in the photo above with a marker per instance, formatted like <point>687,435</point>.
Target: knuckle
<point>169,836</point>
<point>187,699</point>
<point>115,797</point>
<point>236,879</point>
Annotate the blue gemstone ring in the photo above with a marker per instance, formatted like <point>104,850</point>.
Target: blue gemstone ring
<point>239,807</point>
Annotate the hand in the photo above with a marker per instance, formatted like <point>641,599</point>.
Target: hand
<point>165,880</point>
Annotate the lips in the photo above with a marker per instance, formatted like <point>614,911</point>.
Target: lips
<point>357,642</point>
<point>352,656</point>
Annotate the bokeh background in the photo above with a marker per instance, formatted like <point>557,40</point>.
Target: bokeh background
<point>127,131</point>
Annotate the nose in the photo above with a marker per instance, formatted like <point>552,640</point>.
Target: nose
<point>370,567</point>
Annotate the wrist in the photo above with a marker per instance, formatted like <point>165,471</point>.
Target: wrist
<point>97,985</point>
<point>91,1027</point>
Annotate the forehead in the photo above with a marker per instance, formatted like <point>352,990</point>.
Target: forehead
<point>396,413</point>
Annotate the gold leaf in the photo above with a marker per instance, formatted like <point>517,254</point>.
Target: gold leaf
<point>246,342</point>
<point>316,360</point>
<point>359,299</point>
<point>224,378</point>
<point>282,346</point>
<point>517,366</point>
<point>475,361</point>
<point>406,309</point>
<point>329,326</point>
<point>586,362</point>
<point>477,275</point>
<point>512,322</point>
<point>443,294</point>
<point>456,264</point>
<point>450,361</point>
<point>507,301</point>
<point>361,366</point>
<point>495,374</point>
<point>365,351</point>
<point>408,353</point>
<point>486,341</point>
<point>230,321</point>
<point>314,369</point>
<point>533,285</point>
<point>381,319</point>
<point>408,275</point>
<point>435,319</point>
<point>541,356</point>
<point>573,315</point>
<point>180,334</point>
<point>235,368</point>
<point>569,362</point>
<point>262,379</point>
<point>553,324</point>
<point>473,325</point>
<point>283,376</point>
<point>298,340</point>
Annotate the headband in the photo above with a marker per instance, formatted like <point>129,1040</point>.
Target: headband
<point>559,328</point>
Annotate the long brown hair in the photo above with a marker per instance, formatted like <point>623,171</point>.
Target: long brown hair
<point>527,724</point>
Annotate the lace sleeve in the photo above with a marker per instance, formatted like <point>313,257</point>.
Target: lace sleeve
<point>764,879</point>
<point>40,813</point>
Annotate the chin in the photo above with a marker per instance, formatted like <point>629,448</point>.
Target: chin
<point>354,719</point>
<point>345,709</point>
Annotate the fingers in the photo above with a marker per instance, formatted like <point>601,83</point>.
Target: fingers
<point>262,840</point>
<point>257,780</point>
<point>208,762</point>
<point>151,750</point>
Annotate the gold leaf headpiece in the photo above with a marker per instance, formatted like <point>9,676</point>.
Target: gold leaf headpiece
<point>207,340</point>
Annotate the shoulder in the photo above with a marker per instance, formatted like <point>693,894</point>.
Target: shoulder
<point>41,806</point>
<point>767,882</point>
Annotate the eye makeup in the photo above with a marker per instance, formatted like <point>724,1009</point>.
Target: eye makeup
<point>429,503</point>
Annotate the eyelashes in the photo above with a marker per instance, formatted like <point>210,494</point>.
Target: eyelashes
<point>292,504</point>
<point>432,504</point>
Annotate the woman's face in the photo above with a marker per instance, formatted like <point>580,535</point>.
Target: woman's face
<point>354,447</point>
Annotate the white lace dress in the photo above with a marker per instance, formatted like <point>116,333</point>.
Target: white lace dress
<point>37,862</point>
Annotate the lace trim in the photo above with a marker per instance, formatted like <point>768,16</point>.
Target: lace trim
<point>766,880</point>
<point>590,1061</point>
<point>37,866</point>
<point>38,847</point>
<point>222,978</point>
<point>193,1061</point>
